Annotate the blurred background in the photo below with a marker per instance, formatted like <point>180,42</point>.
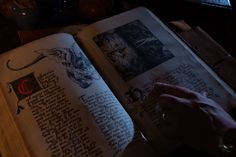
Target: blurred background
<point>216,17</point>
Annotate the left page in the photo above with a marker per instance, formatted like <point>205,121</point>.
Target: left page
<point>60,104</point>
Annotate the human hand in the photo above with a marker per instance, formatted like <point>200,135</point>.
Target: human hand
<point>192,118</point>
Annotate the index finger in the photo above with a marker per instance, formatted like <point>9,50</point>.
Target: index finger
<point>162,88</point>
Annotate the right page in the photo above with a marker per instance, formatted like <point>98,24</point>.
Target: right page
<point>134,50</point>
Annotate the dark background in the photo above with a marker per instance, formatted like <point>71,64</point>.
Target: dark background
<point>216,21</point>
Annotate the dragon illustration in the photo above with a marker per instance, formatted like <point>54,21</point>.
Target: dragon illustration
<point>78,67</point>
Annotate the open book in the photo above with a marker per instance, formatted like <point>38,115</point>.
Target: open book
<point>89,97</point>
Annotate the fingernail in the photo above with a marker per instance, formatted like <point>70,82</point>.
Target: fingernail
<point>160,83</point>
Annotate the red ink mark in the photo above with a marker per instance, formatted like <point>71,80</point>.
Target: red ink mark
<point>25,87</point>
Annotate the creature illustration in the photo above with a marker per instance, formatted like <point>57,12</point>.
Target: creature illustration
<point>133,49</point>
<point>78,67</point>
<point>120,54</point>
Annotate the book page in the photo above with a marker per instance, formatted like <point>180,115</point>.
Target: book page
<point>60,104</point>
<point>135,49</point>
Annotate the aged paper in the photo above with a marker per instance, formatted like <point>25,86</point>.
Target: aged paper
<point>133,51</point>
<point>60,103</point>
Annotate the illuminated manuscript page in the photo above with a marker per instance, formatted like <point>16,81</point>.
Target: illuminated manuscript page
<point>60,104</point>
